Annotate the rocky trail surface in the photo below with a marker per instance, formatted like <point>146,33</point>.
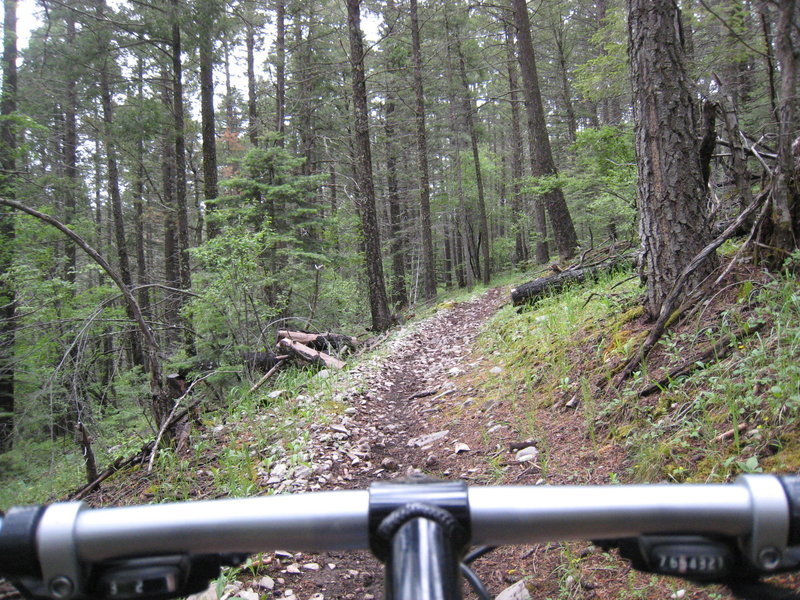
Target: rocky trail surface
<point>419,408</point>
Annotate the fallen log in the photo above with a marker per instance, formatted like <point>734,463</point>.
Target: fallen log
<point>310,355</point>
<point>533,290</point>
<point>319,341</point>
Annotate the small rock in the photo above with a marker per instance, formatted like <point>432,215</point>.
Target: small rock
<point>331,566</point>
<point>317,596</point>
<point>460,447</point>
<point>424,440</point>
<point>340,429</point>
<point>311,567</point>
<point>518,591</point>
<point>289,593</point>
<point>276,394</point>
<point>266,582</point>
<point>527,454</point>
<point>496,370</point>
<point>431,461</point>
<point>323,374</point>
<point>293,568</point>
<point>248,595</point>
<point>573,403</point>
<point>679,594</point>
<point>389,464</point>
<point>350,410</point>
<point>455,372</point>
<point>209,594</point>
<point>283,554</point>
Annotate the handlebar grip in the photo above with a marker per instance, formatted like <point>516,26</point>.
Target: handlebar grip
<point>18,556</point>
<point>791,485</point>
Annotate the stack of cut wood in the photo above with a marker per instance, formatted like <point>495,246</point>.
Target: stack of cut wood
<point>316,348</point>
<point>313,348</point>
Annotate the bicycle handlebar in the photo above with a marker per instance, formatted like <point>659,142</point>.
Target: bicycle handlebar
<point>59,544</point>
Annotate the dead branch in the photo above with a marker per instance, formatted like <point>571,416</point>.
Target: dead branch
<point>670,304</point>
<point>716,352</point>
<point>268,374</point>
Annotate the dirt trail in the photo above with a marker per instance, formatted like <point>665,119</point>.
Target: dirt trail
<point>423,412</point>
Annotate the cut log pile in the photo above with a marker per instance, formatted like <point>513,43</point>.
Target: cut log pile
<point>310,348</point>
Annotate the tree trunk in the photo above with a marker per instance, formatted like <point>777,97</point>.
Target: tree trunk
<point>280,70</point>
<point>542,164</point>
<point>365,189</point>
<point>172,304</point>
<point>517,153</point>
<point>210,189</point>
<point>428,266</point>
<point>399,295</point>
<point>143,293</point>
<point>137,358</point>
<point>483,222</point>
<point>671,195</point>
<point>563,74</point>
<point>252,105</point>
<point>8,137</point>
<point>71,154</point>
<point>180,166</point>
<point>785,224</point>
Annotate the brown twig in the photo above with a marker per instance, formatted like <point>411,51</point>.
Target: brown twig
<point>670,303</point>
<point>718,351</point>
<point>268,374</point>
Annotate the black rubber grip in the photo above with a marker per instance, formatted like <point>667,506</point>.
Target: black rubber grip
<point>791,485</point>
<point>18,556</point>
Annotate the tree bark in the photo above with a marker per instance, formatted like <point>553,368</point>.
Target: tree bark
<point>467,104</point>
<point>210,188</point>
<point>137,358</point>
<point>671,196</point>
<point>71,153</point>
<point>542,164</point>
<point>252,105</point>
<point>785,224</point>
<point>365,190</point>
<point>171,262</point>
<point>516,152</point>
<point>399,295</point>
<point>428,266</point>
<point>280,71</point>
<point>138,204</point>
<point>180,165</point>
<point>8,138</point>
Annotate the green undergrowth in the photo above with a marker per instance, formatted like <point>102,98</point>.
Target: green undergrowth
<point>740,414</point>
<point>733,415</point>
<point>45,470</point>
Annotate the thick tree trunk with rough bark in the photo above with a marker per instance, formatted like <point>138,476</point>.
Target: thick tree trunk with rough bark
<point>365,189</point>
<point>180,165</point>
<point>428,266</point>
<point>542,164</point>
<point>671,195</point>
<point>785,214</point>
<point>8,139</point>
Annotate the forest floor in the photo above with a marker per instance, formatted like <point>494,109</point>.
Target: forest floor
<point>421,404</point>
<point>389,432</point>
